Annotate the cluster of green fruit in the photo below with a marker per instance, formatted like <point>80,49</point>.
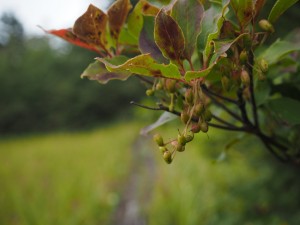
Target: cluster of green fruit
<point>191,104</point>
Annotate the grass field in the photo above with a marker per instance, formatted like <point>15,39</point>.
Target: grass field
<point>81,178</point>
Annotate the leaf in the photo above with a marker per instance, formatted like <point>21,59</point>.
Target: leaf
<point>146,66</point>
<point>168,37</point>
<point>147,43</point>
<point>68,35</point>
<point>188,14</point>
<point>279,8</point>
<point>163,119</point>
<point>277,50</point>
<point>244,10</point>
<point>97,71</point>
<point>211,27</point>
<point>190,75</point>
<point>135,20</point>
<point>258,6</point>
<point>221,46</point>
<point>286,109</point>
<point>117,14</point>
<point>91,26</point>
<point>148,9</point>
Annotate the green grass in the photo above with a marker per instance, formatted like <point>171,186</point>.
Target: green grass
<point>79,179</point>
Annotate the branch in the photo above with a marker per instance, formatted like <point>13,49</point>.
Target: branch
<point>210,93</point>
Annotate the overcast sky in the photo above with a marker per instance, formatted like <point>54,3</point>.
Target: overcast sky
<point>50,14</point>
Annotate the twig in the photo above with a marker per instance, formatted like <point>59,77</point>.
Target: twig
<point>210,93</point>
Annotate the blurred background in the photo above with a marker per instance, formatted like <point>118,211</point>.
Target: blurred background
<point>70,150</point>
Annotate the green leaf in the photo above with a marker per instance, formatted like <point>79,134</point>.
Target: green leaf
<point>221,46</point>
<point>190,75</point>
<point>163,119</point>
<point>144,65</point>
<point>286,109</point>
<point>168,37</point>
<point>211,26</point>
<point>277,50</point>
<point>135,21</point>
<point>147,43</point>
<point>97,71</point>
<point>280,7</point>
<point>244,10</point>
<point>188,14</point>
<point>126,38</point>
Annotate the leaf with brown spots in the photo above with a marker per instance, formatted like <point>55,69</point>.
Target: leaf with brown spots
<point>68,36</point>
<point>148,9</point>
<point>97,71</point>
<point>144,65</point>
<point>169,37</point>
<point>244,10</point>
<point>91,27</point>
<point>117,14</point>
<point>188,14</point>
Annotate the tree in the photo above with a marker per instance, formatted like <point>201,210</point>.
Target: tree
<point>204,61</point>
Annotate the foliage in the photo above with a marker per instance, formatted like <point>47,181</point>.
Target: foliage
<point>206,59</point>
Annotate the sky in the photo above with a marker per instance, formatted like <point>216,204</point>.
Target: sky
<point>50,14</point>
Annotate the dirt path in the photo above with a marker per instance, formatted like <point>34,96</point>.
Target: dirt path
<point>139,187</point>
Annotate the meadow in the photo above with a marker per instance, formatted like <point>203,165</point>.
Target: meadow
<point>91,177</point>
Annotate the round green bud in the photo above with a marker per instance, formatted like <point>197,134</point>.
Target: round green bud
<point>171,85</point>
<point>263,65</point>
<point>266,26</point>
<point>199,109</point>
<point>158,139</point>
<point>245,78</point>
<point>180,147</point>
<point>162,149</point>
<point>243,56</point>
<point>189,96</point>
<point>184,117</point>
<point>189,138</point>
<point>149,92</point>
<point>225,83</point>
<point>204,127</point>
<point>181,139</point>
<point>207,115</point>
<point>158,86</point>
<point>167,157</point>
<point>195,128</point>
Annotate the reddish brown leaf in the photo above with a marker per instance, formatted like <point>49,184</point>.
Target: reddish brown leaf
<point>67,35</point>
<point>91,26</point>
<point>168,37</point>
<point>117,15</point>
<point>258,6</point>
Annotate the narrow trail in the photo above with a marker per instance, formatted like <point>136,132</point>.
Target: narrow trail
<point>138,189</point>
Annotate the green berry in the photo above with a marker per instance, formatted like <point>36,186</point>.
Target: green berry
<point>204,127</point>
<point>266,26</point>
<point>167,157</point>
<point>180,148</point>
<point>263,65</point>
<point>189,138</point>
<point>181,139</point>
<point>184,117</point>
<point>199,109</point>
<point>245,78</point>
<point>163,149</point>
<point>158,86</point>
<point>189,96</point>
<point>149,92</point>
<point>207,115</point>
<point>158,139</point>
<point>171,85</point>
<point>243,56</point>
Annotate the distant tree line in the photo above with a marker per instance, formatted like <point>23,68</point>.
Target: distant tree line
<point>41,89</point>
